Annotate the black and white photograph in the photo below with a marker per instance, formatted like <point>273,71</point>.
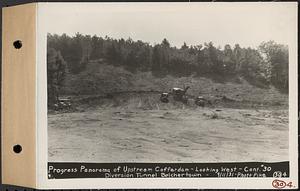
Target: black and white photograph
<point>192,83</point>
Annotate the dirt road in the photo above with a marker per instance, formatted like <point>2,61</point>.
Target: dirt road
<point>177,135</point>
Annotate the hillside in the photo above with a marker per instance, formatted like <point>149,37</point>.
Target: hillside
<point>100,79</point>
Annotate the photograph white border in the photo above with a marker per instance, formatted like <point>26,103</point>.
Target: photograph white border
<point>136,183</point>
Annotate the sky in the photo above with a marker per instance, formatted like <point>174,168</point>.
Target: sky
<point>247,24</point>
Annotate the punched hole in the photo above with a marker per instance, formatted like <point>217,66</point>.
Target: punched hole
<point>18,44</point>
<point>17,148</point>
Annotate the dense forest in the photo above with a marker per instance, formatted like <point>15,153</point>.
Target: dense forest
<point>267,65</point>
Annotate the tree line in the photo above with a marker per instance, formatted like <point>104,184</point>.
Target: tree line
<point>264,66</point>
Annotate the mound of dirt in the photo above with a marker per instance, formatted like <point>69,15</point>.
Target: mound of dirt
<point>131,100</point>
<point>150,100</point>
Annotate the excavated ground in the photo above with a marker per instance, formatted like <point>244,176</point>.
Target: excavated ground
<point>137,127</point>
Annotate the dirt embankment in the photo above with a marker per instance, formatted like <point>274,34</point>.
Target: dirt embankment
<point>150,100</point>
